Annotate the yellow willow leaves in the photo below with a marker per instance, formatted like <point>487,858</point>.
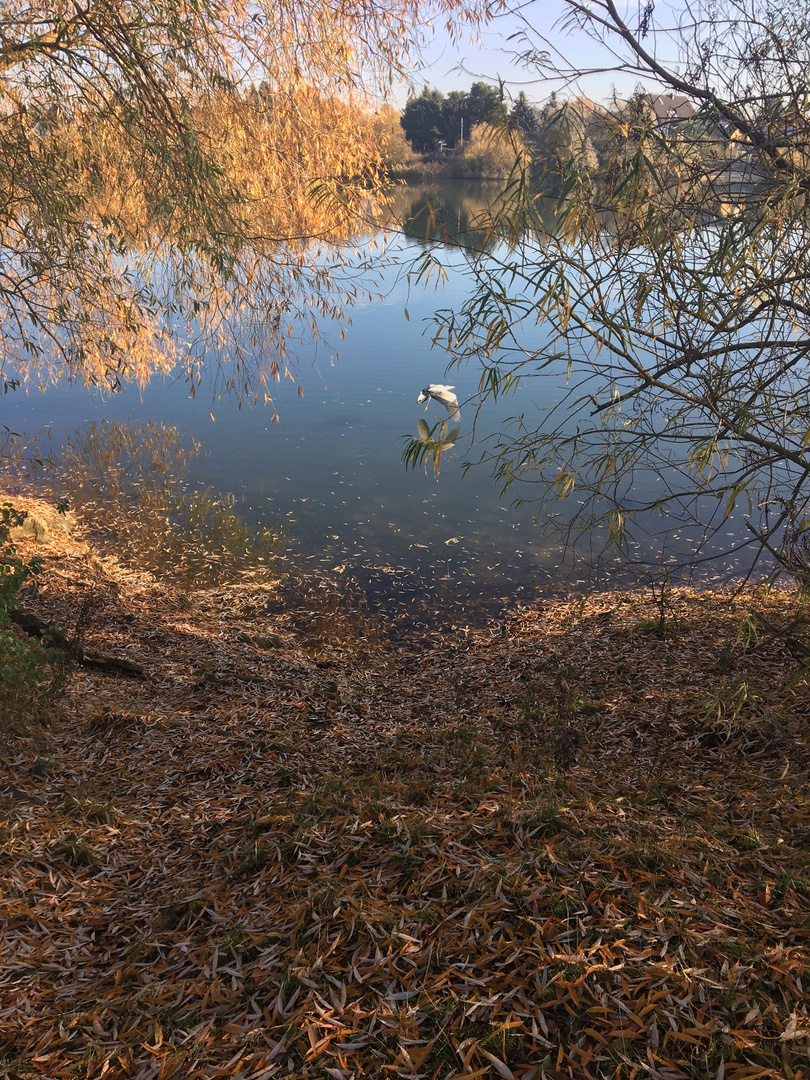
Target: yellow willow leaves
<point>163,164</point>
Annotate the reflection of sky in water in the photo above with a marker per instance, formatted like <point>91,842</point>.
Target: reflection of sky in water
<point>331,467</point>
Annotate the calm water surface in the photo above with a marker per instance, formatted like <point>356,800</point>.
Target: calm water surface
<point>331,469</point>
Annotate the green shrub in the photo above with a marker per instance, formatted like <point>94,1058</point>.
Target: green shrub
<point>23,662</point>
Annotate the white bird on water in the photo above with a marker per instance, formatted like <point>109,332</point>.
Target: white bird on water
<point>444,395</point>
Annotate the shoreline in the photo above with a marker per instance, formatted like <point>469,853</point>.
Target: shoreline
<point>407,603</point>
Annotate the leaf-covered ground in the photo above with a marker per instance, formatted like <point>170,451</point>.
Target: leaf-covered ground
<point>573,845</point>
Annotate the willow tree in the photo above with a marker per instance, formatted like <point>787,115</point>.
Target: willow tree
<point>672,287</point>
<point>164,168</point>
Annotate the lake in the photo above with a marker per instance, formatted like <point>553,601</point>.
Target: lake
<point>447,547</point>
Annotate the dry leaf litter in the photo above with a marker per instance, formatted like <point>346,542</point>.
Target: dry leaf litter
<point>573,845</point>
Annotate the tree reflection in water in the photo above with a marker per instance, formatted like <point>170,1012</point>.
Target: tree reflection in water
<point>128,480</point>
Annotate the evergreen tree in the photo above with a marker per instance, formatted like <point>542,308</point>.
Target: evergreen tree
<point>524,117</point>
<point>484,105</point>
<point>423,122</point>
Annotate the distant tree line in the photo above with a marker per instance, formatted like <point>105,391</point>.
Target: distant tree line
<point>435,120</point>
<point>562,138</point>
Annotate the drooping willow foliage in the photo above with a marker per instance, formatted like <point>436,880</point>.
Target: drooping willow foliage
<point>166,169</point>
<point>670,286</point>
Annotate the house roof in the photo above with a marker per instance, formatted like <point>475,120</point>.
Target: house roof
<point>672,107</point>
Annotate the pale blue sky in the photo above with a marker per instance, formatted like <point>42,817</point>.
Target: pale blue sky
<point>493,56</point>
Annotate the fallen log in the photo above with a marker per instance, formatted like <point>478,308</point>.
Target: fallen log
<point>54,636</point>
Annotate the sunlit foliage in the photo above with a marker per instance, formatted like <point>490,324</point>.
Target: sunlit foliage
<point>162,165</point>
<point>493,151</point>
<point>395,149</point>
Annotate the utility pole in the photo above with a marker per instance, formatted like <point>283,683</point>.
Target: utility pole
<point>461,140</point>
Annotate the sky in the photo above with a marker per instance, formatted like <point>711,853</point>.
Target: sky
<point>447,66</point>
